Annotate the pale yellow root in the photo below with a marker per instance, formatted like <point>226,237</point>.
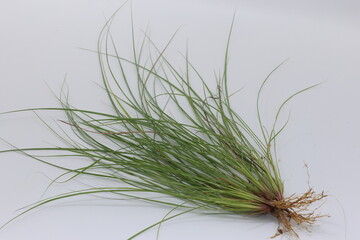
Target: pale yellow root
<point>294,210</point>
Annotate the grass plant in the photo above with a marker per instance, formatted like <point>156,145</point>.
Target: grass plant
<point>207,155</point>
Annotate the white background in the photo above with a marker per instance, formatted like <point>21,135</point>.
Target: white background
<point>40,43</point>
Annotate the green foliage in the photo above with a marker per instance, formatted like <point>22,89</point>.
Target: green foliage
<point>207,156</point>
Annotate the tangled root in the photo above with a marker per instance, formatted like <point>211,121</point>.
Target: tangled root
<point>294,209</point>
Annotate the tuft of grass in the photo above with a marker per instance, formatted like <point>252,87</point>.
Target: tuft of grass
<point>206,155</point>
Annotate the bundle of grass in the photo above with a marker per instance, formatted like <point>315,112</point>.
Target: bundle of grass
<point>211,159</point>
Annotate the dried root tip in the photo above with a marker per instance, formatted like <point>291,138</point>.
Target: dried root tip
<point>294,209</point>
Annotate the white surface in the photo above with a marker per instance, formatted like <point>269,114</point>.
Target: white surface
<point>40,43</point>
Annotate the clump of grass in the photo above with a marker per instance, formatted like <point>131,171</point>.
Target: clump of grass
<point>211,159</point>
